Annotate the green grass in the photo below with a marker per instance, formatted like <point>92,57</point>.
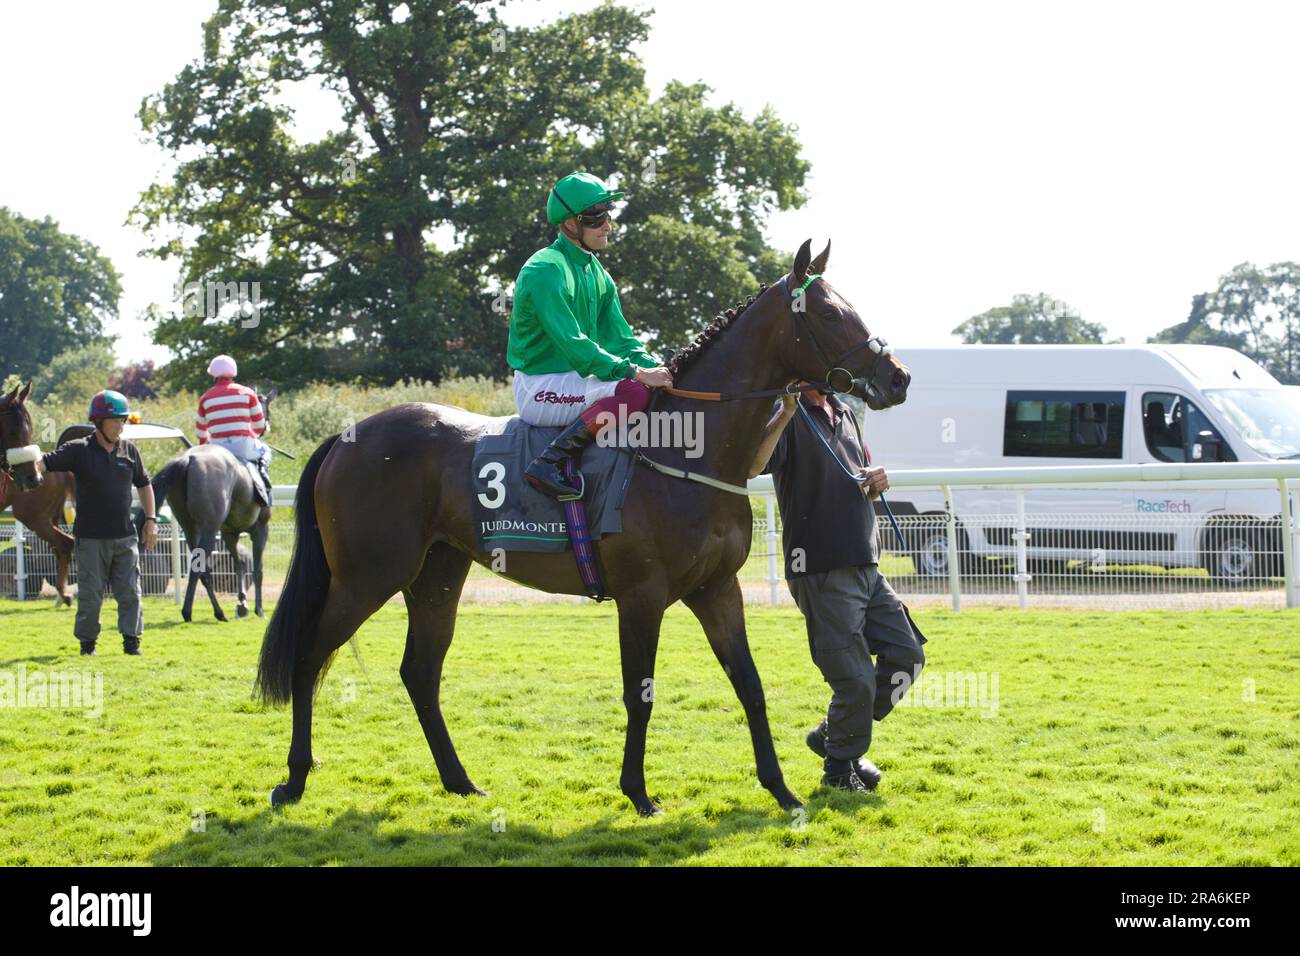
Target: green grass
<point>1119,738</point>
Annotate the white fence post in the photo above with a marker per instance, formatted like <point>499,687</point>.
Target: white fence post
<point>175,527</point>
<point>954,561</point>
<point>20,566</point>
<point>1022,555</point>
<point>770,538</point>
<point>1290,552</point>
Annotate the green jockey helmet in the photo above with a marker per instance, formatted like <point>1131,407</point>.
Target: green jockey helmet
<point>575,194</point>
<point>108,404</point>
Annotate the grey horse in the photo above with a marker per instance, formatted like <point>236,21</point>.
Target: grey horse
<point>211,492</point>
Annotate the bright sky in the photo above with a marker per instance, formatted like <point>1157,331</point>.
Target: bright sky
<point>1119,156</point>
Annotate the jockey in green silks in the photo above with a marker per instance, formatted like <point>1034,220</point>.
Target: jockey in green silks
<point>573,353</point>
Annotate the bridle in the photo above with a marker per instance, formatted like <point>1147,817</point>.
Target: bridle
<point>7,469</point>
<point>843,383</point>
<point>878,347</point>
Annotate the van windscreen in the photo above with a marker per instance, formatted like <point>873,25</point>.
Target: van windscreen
<point>1267,418</point>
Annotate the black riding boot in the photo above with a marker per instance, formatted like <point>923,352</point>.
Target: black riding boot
<point>546,474</point>
<point>266,490</point>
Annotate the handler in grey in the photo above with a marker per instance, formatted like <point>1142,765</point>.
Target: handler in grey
<point>831,568</point>
<point>106,466</point>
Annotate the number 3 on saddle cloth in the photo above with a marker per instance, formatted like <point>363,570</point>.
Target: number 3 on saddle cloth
<point>512,515</point>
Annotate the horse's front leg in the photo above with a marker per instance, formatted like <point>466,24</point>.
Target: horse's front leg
<point>639,618</point>
<point>721,612</point>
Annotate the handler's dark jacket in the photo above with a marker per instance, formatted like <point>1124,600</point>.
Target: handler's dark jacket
<point>104,480</point>
<point>824,512</point>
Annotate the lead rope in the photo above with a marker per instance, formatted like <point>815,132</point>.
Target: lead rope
<point>859,479</point>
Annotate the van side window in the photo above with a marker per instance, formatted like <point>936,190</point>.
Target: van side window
<point>1064,425</point>
<point>1172,426</point>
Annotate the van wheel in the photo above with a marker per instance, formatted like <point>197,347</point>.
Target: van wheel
<point>930,552</point>
<point>1232,554</point>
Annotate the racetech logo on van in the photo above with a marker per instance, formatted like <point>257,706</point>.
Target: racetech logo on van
<point>1166,504</point>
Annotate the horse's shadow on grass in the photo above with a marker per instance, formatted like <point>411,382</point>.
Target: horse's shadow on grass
<point>354,838</point>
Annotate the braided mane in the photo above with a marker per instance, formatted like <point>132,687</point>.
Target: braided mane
<point>720,324</point>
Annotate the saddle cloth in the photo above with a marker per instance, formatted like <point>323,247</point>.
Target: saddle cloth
<point>510,513</point>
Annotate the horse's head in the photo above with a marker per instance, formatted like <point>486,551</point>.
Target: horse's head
<point>18,456</point>
<point>831,342</point>
<point>266,401</point>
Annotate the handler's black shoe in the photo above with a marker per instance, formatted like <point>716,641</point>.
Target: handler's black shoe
<point>845,779</point>
<point>867,771</point>
<point>544,472</point>
<point>131,645</point>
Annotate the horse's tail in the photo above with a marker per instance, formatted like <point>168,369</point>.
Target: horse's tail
<point>297,612</point>
<point>165,478</point>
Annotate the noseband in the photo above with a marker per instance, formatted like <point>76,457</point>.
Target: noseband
<point>11,457</point>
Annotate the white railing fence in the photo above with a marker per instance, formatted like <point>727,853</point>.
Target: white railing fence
<point>1025,554</point>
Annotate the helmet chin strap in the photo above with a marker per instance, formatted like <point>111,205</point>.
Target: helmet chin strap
<point>581,241</point>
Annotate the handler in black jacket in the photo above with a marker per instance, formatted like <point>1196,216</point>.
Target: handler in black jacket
<point>106,467</point>
<point>831,568</point>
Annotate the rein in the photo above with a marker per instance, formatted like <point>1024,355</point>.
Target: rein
<point>857,478</point>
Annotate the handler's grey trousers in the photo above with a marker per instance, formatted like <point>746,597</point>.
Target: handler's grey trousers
<point>852,613</point>
<point>115,561</point>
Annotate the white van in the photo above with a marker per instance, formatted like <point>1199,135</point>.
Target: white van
<point>981,406</point>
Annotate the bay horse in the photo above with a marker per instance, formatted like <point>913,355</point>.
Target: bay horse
<point>211,493</point>
<point>37,499</point>
<point>389,510</point>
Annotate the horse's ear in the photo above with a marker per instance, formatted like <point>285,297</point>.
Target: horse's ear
<point>11,396</point>
<point>272,393</point>
<point>800,270</point>
<point>819,264</point>
<point>27,390</point>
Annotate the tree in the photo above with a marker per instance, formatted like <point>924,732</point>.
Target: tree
<point>1253,310</point>
<point>135,380</point>
<point>77,374</point>
<point>1031,320</point>
<point>56,292</point>
<point>386,248</point>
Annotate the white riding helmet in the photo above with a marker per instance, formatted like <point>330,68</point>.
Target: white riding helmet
<point>222,366</point>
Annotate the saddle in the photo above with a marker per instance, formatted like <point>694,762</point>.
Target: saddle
<point>512,515</point>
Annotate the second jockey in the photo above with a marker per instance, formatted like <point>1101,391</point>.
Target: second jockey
<point>573,353</point>
<point>231,415</point>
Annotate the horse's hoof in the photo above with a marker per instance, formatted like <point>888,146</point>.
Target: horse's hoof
<point>241,611</point>
<point>260,613</point>
<point>786,799</point>
<point>187,618</point>
<point>467,789</point>
<point>647,807</point>
<point>221,617</point>
<point>281,796</point>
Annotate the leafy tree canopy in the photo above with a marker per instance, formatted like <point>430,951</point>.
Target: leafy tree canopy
<point>1031,320</point>
<point>56,292</point>
<point>381,250</point>
<point>1254,310</point>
